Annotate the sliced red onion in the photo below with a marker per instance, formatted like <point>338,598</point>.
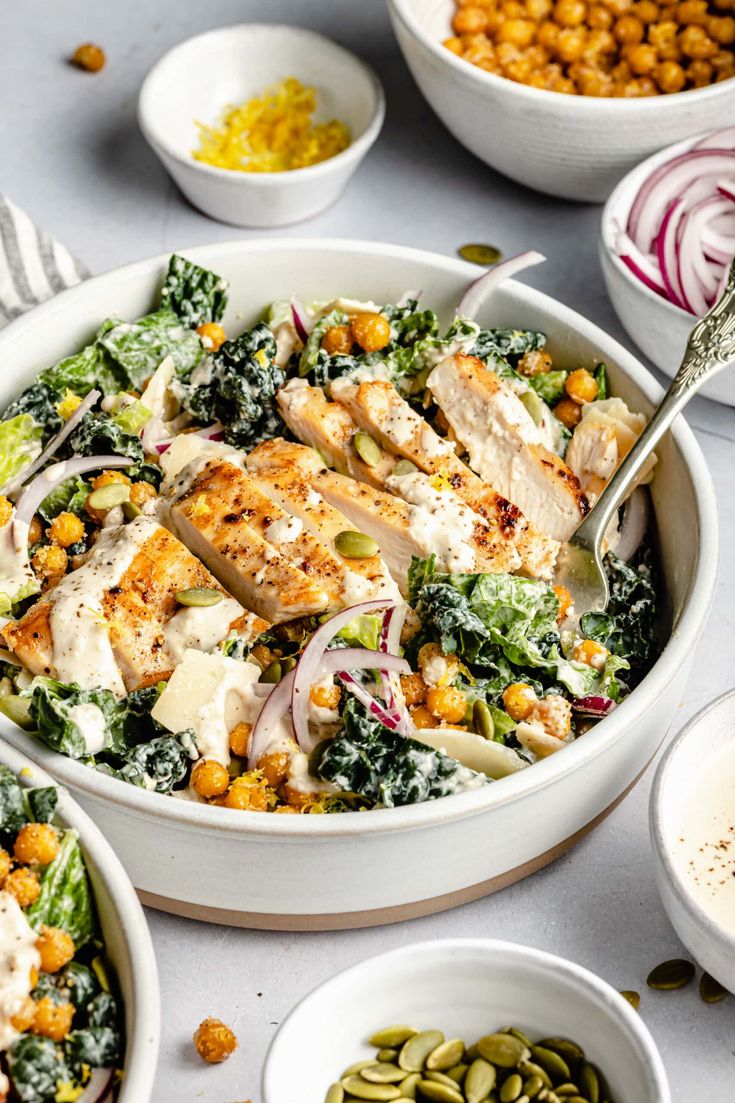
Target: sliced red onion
<point>302,319</point>
<point>271,714</point>
<point>726,188</point>
<point>373,706</point>
<point>58,473</point>
<point>635,523</point>
<point>719,139</point>
<point>53,445</point>
<point>216,431</point>
<point>667,256</point>
<point>593,705</point>
<point>481,290</point>
<point>389,643</point>
<point>695,171</point>
<point>99,1087</point>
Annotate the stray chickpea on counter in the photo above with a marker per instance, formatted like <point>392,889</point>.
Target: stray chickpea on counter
<point>309,569</point>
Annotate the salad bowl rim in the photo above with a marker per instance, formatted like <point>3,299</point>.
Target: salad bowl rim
<point>618,725</point>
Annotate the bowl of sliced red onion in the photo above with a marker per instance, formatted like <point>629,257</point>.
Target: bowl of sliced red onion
<point>667,242</point>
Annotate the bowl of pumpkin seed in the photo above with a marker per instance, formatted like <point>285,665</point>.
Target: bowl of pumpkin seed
<point>464,1021</point>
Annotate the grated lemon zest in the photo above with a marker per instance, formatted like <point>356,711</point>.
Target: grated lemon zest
<point>66,406</point>
<point>272,132</point>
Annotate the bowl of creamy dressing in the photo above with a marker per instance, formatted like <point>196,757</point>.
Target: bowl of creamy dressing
<point>692,820</point>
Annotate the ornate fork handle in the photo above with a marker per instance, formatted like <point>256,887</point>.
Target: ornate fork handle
<point>711,347</point>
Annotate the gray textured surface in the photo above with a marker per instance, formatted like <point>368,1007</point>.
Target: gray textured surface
<point>73,157</point>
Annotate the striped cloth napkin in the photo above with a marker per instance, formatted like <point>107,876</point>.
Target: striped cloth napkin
<point>33,266</point>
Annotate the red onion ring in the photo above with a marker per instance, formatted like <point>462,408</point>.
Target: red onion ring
<point>720,139</point>
<point>481,290</point>
<point>303,322</point>
<point>593,705</point>
<point>58,473</point>
<point>216,431</point>
<point>53,445</point>
<point>99,1086</point>
<point>635,523</point>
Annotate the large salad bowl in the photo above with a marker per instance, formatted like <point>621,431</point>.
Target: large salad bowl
<point>322,872</point>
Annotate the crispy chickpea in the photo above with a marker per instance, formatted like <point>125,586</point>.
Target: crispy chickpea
<point>209,778</point>
<point>534,362</point>
<point>596,83</point>
<point>600,42</point>
<point>646,10</point>
<point>6,864</point>
<point>696,43</point>
<point>214,1041</point>
<point>22,1020</point>
<point>570,13</point>
<point>56,948</point>
<point>591,653</point>
<point>566,602</point>
<point>6,510</point>
<point>107,477</point>
<point>240,739</point>
<point>478,48</point>
<point>422,718</point>
<point>600,18</point>
<point>337,339</point>
<point>571,43</point>
<point>36,844</point>
<point>519,70</point>
<point>692,12</point>
<point>629,29</point>
<point>554,714</point>
<point>49,562</point>
<point>469,20</point>
<point>142,492</point>
<point>581,386</point>
<point>643,59</point>
<point>548,36</point>
<point>537,56</point>
<point>669,76</point>
<point>563,84</point>
<point>723,64</point>
<point>518,699</point>
<point>52,1020</point>
<point>212,334</point>
<point>513,9</point>
<point>414,689</point>
<point>519,32</point>
<point>619,7</point>
<point>538,9</point>
<point>699,73</point>
<point>65,529</point>
<point>447,703</point>
<point>721,28</point>
<point>274,768</point>
<point>244,795</point>
<point>325,696</point>
<point>89,57</point>
<point>370,331</point>
<point>35,531</point>
<point>568,412</point>
<point>454,45</point>
<point>664,36</point>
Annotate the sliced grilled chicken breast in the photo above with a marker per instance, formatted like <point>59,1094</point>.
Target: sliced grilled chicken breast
<point>115,622</point>
<point>503,444</point>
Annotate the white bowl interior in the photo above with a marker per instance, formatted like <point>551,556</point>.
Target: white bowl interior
<point>466,988</point>
<point>319,270</point>
<point>195,81</point>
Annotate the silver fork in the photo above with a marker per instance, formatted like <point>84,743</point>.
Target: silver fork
<point>711,347</point>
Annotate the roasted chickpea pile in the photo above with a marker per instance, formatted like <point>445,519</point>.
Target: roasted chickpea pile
<point>605,48</point>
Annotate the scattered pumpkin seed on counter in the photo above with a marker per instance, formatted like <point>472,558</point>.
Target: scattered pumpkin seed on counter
<point>711,990</point>
<point>504,1067</point>
<point>486,255</point>
<point>633,998</point>
<point>670,975</point>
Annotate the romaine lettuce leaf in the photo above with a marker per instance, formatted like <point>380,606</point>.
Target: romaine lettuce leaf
<point>195,294</point>
<point>83,371</point>
<point>549,385</point>
<point>68,496</point>
<point>139,347</point>
<point>21,441</point>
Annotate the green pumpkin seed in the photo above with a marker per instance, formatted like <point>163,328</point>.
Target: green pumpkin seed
<point>670,975</point>
<point>287,664</point>
<point>409,1085</point>
<point>446,1055</point>
<point>17,709</point>
<point>383,1073</point>
<point>415,1051</point>
<point>575,1099</point>
<point>570,1051</point>
<point>472,1053</point>
<point>392,1036</point>
<point>711,990</point>
<point>533,404</point>
<point>131,511</point>
<point>555,1065</point>
<point>440,1092</point>
<point>108,496</point>
<point>355,545</point>
<point>272,673</point>
<point>486,255</point>
<point>361,1089</point>
<point>503,1050</point>
<point>479,1081</point>
<point>633,998</point>
<point>439,1078</point>
<point>589,1083</point>
<point>566,1089</point>
<point>367,449</point>
<point>511,1088</point>
<point>335,1094</point>
<point>357,1067</point>
<point>199,597</point>
<point>404,467</point>
<point>387,1056</point>
<point>602,1085</point>
<point>458,1073</point>
<point>533,1086</point>
<point>482,720</point>
<point>530,1068</point>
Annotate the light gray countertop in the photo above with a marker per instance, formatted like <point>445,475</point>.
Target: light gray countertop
<point>73,157</point>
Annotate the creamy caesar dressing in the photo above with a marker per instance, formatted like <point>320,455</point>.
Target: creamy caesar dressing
<point>434,670</point>
<point>357,588</point>
<point>380,371</point>
<point>296,394</point>
<point>188,457</point>
<point>438,519</point>
<point>16,575</point>
<point>283,531</point>
<point>82,651</point>
<point>18,956</point>
<point>200,627</point>
<point>157,398</point>
<point>704,847</point>
<point>300,779</point>
<point>354,306</point>
<point>90,719</point>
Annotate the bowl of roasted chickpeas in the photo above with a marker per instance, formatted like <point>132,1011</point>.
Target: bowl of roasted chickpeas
<point>567,96</point>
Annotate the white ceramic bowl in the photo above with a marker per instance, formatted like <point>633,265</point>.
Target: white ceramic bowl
<point>197,79</point>
<point>576,147</point>
<point>467,988</point>
<point>658,327</point>
<point>308,871</point>
<point>125,931</point>
<point>704,738</point>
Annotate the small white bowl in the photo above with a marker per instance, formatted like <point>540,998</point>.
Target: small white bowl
<point>467,988</point>
<point>576,147</point>
<point>125,932</point>
<point>196,80</point>
<point>704,736</point>
<point>658,327</point>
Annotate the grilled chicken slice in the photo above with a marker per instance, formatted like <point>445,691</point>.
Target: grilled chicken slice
<point>379,409</point>
<point>605,434</point>
<point>504,446</point>
<point>263,556</point>
<point>116,622</point>
<point>361,579</point>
